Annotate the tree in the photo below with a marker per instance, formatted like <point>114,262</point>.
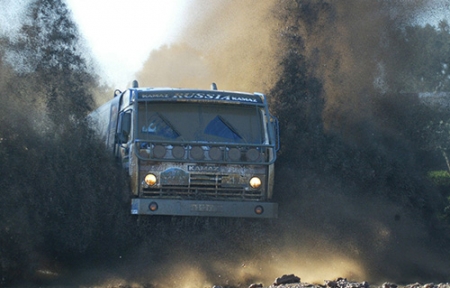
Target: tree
<point>346,131</point>
<point>54,202</point>
<point>437,138</point>
<point>49,49</point>
<point>419,59</point>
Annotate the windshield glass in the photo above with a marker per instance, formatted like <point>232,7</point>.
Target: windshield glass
<point>200,122</point>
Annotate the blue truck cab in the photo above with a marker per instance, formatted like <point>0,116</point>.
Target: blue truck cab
<point>192,152</point>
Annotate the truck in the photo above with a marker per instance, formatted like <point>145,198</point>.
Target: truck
<point>192,152</point>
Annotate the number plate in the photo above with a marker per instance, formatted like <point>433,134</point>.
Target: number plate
<point>206,208</point>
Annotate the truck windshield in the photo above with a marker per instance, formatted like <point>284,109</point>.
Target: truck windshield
<point>200,122</point>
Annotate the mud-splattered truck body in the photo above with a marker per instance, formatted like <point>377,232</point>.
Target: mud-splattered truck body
<point>193,152</point>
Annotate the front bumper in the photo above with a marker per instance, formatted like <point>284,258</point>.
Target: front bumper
<point>244,209</point>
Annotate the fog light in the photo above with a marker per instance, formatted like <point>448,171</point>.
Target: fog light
<point>255,182</point>
<point>159,151</point>
<point>150,179</point>
<point>178,152</point>
<point>215,153</point>
<point>259,210</point>
<point>252,155</point>
<point>197,153</point>
<point>234,154</point>
<point>154,206</point>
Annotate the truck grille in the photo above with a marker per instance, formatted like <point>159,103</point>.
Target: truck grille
<point>204,187</point>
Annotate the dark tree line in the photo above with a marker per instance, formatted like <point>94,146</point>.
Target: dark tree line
<point>62,197</point>
<point>348,129</point>
<point>349,126</point>
<point>422,56</point>
<point>371,133</point>
<point>50,49</point>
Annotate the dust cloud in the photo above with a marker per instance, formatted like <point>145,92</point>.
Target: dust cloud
<point>232,43</point>
<point>348,45</point>
<point>334,218</point>
<point>328,227</point>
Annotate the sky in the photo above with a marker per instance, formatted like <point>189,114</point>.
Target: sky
<point>12,12</point>
<point>121,34</point>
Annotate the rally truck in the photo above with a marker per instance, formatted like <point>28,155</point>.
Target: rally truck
<point>191,152</point>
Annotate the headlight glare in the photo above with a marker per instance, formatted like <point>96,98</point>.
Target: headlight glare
<point>150,179</point>
<point>255,182</point>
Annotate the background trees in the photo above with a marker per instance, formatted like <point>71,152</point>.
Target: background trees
<point>50,50</point>
<point>61,194</point>
<point>421,53</point>
<point>353,129</point>
<point>353,165</point>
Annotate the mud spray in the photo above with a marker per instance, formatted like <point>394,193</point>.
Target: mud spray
<point>329,226</point>
<point>326,229</point>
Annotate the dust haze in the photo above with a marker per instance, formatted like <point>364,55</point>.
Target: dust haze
<point>328,227</point>
<point>325,66</point>
<point>231,43</point>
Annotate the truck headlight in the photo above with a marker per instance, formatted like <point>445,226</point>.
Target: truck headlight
<point>150,179</point>
<point>255,182</point>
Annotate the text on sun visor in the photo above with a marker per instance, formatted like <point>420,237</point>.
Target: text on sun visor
<point>204,96</point>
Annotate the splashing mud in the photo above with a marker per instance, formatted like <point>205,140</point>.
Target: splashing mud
<point>327,227</point>
<point>352,201</point>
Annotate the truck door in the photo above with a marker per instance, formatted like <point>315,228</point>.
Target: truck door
<point>124,137</point>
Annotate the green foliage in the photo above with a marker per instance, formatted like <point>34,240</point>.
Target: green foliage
<point>440,177</point>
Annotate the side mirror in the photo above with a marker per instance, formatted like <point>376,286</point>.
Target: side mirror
<point>124,127</point>
<point>276,129</point>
